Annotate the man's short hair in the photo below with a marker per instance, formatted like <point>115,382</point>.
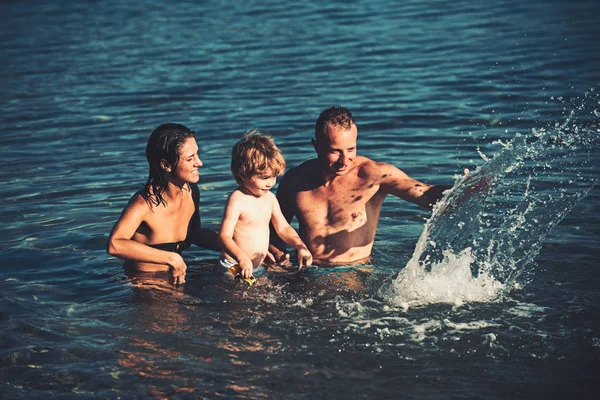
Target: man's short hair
<point>256,154</point>
<point>336,116</point>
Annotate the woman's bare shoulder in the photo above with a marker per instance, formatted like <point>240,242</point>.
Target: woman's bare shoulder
<point>137,203</point>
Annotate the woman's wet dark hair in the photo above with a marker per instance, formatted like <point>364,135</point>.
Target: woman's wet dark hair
<point>163,144</point>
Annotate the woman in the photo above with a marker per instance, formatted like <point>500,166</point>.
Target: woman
<point>163,218</point>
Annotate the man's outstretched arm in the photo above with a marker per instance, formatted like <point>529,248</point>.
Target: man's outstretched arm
<point>397,183</point>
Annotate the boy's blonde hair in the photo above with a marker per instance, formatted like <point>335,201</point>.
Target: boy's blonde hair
<point>255,154</point>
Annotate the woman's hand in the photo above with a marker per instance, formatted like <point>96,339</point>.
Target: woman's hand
<point>178,269</point>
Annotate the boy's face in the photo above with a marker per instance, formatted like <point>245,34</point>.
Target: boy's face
<point>259,185</point>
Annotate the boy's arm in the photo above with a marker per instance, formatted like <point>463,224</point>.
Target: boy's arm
<point>230,219</point>
<point>289,235</point>
<point>122,246</point>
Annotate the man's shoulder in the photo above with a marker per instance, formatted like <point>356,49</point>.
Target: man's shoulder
<point>301,171</point>
<point>368,166</point>
<point>298,178</point>
<point>308,165</point>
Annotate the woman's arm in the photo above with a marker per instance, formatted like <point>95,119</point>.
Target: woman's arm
<point>120,243</point>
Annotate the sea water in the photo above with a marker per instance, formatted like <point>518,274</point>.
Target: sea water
<point>481,241</point>
<point>493,295</point>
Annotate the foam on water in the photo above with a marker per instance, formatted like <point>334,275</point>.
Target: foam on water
<point>481,239</point>
<point>448,281</point>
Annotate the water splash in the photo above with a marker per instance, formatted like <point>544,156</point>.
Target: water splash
<point>482,238</point>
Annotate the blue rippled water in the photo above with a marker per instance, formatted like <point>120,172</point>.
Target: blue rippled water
<point>435,87</point>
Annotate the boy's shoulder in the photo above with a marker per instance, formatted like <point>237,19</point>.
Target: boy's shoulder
<point>238,195</point>
<point>240,202</point>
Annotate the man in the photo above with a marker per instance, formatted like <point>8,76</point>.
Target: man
<point>337,197</point>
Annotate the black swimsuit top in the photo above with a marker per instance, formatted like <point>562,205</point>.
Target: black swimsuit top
<point>178,247</point>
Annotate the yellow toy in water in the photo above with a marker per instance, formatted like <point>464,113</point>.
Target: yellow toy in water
<point>236,270</point>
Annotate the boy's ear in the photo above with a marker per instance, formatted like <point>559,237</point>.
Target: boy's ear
<point>164,164</point>
<point>314,143</point>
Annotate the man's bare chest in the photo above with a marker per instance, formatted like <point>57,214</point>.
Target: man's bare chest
<point>339,206</point>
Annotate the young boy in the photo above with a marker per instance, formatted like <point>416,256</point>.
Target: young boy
<point>244,233</point>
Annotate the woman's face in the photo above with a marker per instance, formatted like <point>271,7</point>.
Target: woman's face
<point>187,169</point>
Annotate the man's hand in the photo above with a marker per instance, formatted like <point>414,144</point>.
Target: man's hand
<point>277,257</point>
<point>305,259</point>
<point>270,258</point>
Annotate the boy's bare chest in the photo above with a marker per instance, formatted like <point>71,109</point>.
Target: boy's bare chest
<point>256,212</point>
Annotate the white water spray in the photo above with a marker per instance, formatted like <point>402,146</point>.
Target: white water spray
<point>482,238</point>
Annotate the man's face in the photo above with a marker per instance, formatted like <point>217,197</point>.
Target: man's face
<point>337,149</point>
